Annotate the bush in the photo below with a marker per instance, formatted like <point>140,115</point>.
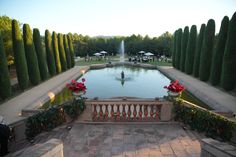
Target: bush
<point>19,55</point>
<point>219,52</point>
<point>174,48</point>
<point>62,52</point>
<point>5,84</point>
<point>56,52</point>
<point>50,55</point>
<point>71,47</point>
<point>207,49</point>
<point>67,51</point>
<point>31,57</point>
<point>229,59</point>
<point>40,54</point>
<point>178,49</point>
<point>184,43</point>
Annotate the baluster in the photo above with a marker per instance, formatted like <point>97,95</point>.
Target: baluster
<point>140,112</point>
<point>118,112</point>
<point>100,112</point>
<point>95,113</point>
<point>157,113</point>
<point>135,112</point>
<point>129,112</point>
<point>123,112</point>
<point>152,112</point>
<point>146,111</point>
<point>112,111</point>
<point>106,112</point>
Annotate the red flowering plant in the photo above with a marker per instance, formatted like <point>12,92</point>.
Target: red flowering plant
<point>77,87</point>
<point>175,87</point>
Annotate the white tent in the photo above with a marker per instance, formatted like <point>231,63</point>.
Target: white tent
<point>141,52</point>
<point>103,52</point>
<point>148,54</point>
<point>97,54</point>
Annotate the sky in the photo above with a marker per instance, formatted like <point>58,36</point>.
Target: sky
<point>117,17</point>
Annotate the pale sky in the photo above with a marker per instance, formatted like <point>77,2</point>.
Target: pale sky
<point>116,17</point>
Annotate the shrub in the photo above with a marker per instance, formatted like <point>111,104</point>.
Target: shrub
<point>56,52</point>
<point>178,49</point>
<point>67,51</point>
<point>40,54</point>
<point>50,55</point>
<point>5,84</point>
<point>62,52</point>
<point>31,57</point>
<point>219,52</point>
<point>71,47</point>
<point>207,49</point>
<point>229,59</point>
<point>184,43</point>
<point>19,55</point>
<point>174,49</point>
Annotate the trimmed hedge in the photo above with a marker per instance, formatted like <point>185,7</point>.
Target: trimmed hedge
<point>19,55</point>
<point>229,59</point>
<point>56,52</point>
<point>196,64</point>
<point>62,52</point>
<point>43,69</point>
<point>207,49</point>
<point>204,121</point>
<point>191,48</point>
<point>184,43</point>
<point>71,47</point>
<point>50,55</point>
<point>53,117</point>
<point>178,49</point>
<point>31,57</point>
<point>219,52</point>
<point>5,84</point>
<point>67,51</point>
<point>174,49</point>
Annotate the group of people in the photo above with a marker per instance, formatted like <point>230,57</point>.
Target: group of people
<point>4,137</point>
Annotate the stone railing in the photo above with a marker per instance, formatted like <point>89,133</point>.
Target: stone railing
<point>131,110</point>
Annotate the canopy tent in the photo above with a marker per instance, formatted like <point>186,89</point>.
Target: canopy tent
<point>103,52</point>
<point>148,54</point>
<point>141,52</point>
<point>97,54</point>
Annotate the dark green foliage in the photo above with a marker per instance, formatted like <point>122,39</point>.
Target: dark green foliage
<point>191,48</point>
<point>31,57</point>
<point>50,55</point>
<point>71,47</point>
<point>174,49</point>
<point>198,51</point>
<point>56,52</point>
<point>19,55</point>
<point>62,52</point>
<point>184,43</point>
<point>5,84</point>
<point>67,51</point>
<point>205,121</point>
<point>229,59</point>
<point>40,54</point>
<point>219,52</point>
<point>178,48</point>
<point>207,50</point>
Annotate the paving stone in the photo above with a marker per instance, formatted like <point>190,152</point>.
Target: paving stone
<point>155,153</point>
<point>142,152</point>
<point>117,142</point>
<point>116,150</point>
<point>181,153</point>
<point>166,150</point>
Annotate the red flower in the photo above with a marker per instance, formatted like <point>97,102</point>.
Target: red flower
<point>76,87</point>
<point>175,87</point>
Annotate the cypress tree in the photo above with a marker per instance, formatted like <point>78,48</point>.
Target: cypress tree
<point>196,64</point>
<point>178,48</point>
<point>43,69</point>
<point>229,59</point>
<point>19,55</point>
<point>71,47</point>
<point>67,51</point>
<point>5,83</point>
<point>207,49</point>
<point>62,52</point>
<point>50,55</point>
<point>31,57</point>
<point>191,48</point>
<point>184,43</point>
<point>219,52</point>
<point>174,49</point>
<point>56,52</point>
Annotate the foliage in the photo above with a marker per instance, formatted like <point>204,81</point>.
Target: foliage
<point>178,49</point>
<point>50,55</point>
<point>205,121</point>
<point>184,43</point>
<point>67,51</point>
<point>31,57</point>
<point>196,64</point>
<point>19,55</point>
<point>71,47</point>
<point>56,52</point>
<point>174,49</point>
<point>175,87</point>
<point>76,87</point>
<point>43,69</point>
<point>190,52</point>
<point>5,84</point>
<point>219,52</point>
<point>229,59</point>
<point>62,52</point>
<point>48,119</point>
<point>207,49</point>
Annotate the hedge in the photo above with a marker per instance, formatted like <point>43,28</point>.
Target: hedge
<point>50,55</point>
<point>184,43</point>
<point>174,49</point>
<point>56,52</point>
<point>71,47</point>
<point>67,51</point>
<point>62,52</point>
<point>178,49</point>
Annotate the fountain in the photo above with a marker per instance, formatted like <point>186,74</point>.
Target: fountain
<point>122,75</point>
<point>122,51</point>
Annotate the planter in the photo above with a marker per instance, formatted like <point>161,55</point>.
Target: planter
<point>78,94</point>
<point>173,94</point>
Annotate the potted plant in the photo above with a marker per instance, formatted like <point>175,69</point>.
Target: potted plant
<point>77,88</point>
<point>174,88</point>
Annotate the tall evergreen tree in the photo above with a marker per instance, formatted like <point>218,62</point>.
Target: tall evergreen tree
<point>43,69</point>
<point>207,49</point>
<point>67,51</point>
<point>71,47</point>
<point>229,59</point>
<point>50,55</point>
<point>191,48</point>
<point>56,52</point>
<point>184,43</point>
<point>196,64</point>
<point>19,55</point>
<point>62,52</point>
<point>174,49</point>
<point>219,52</point>
<point>31,57</point>
<point>178,48</point>
<point>5,84</point>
